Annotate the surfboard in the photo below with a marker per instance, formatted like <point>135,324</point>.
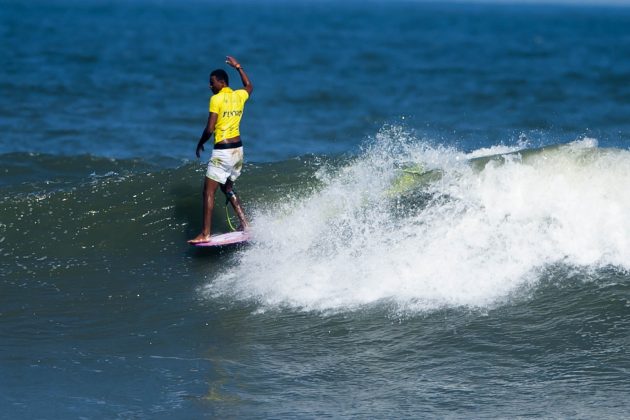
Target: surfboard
<point>224,239</point>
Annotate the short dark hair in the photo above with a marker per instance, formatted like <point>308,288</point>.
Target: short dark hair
<point>221,75</point>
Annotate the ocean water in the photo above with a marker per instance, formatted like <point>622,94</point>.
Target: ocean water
<point>438,195</point>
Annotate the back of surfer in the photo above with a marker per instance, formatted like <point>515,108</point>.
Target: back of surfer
<point>225,112</point>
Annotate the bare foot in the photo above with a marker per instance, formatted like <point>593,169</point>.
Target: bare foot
<point>199,239</point>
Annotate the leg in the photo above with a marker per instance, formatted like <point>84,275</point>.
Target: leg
<point>209,188</point>
<point>227,189</point>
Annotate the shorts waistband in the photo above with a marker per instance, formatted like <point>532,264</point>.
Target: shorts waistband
<point>228,145</point>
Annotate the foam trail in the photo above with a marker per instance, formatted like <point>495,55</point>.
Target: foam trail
<point>479,232</point>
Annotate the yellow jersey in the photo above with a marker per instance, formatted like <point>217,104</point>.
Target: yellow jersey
<point>228,105</point>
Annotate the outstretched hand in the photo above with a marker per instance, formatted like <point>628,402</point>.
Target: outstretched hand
<point>231,61</point>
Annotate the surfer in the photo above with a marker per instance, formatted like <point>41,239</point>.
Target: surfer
<point>226,109</point>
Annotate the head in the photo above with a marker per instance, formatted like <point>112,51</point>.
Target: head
<point>218,80</point>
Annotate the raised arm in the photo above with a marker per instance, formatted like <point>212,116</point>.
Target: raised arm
<point>247,85</point>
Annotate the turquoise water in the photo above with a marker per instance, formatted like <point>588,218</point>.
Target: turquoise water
<point>437,194</point>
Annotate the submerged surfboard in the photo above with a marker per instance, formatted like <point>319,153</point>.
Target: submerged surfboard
<point>224,239</point>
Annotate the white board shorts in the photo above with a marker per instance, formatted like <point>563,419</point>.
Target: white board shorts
<point>224,164</point>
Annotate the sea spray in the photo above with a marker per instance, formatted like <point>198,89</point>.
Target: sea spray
<point>483,231</point>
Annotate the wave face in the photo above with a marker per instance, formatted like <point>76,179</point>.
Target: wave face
<point>405,223</point>
<point>472,229</point>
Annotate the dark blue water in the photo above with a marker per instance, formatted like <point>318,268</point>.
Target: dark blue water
<point>438,194</point>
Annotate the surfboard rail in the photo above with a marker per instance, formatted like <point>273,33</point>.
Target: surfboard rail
<point>224,239</point>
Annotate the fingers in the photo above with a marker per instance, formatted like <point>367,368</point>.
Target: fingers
<point>231,61</point>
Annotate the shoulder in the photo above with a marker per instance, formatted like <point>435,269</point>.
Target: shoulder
<point>242,93</point>
<point>215,103</point>
<point>216,98</point>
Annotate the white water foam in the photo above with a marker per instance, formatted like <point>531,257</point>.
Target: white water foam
<point>487,231</point>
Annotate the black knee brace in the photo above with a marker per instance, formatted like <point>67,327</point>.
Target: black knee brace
<point>228,193</point>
